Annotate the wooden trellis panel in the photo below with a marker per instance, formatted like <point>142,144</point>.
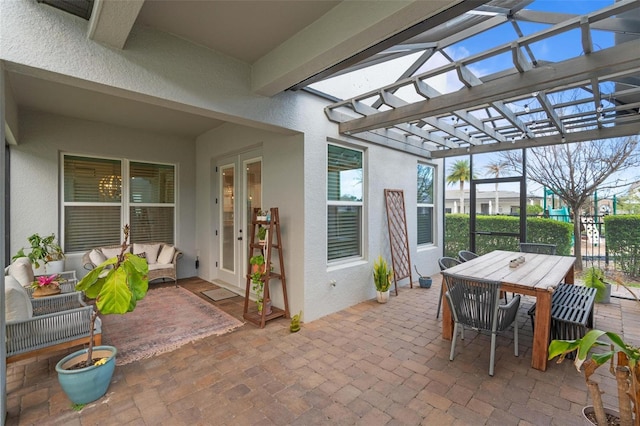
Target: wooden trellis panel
<point>397,223</point>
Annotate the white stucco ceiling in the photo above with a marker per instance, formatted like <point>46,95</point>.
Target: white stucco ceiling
<point>283,43</point>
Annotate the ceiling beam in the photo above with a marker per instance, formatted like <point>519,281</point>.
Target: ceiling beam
<point>616,59</point>
<point>112,20</point>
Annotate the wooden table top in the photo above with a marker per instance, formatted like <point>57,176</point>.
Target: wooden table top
<point>539,272</point>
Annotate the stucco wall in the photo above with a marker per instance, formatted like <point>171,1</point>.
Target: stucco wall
<point>282,185</point>
<point>164,70</point>
<point>35,174</point>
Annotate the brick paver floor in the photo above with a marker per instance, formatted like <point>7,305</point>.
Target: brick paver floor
<point>371,364</point>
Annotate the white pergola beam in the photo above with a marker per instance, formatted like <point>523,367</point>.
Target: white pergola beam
<point>616,59</point>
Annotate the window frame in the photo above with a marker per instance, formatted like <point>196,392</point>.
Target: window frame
<point>125,202</point>
<point>338,203</point>
<point>431,205</point>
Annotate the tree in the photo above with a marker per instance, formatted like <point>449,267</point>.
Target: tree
<point>459,172</point>
<point>495,169</point>
<point>574,171</point>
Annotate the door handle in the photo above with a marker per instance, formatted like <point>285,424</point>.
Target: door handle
<point>239,238</point>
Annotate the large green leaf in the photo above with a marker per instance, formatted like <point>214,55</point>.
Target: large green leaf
<point>115,296</point>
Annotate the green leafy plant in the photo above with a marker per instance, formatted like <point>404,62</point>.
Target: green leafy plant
<point>382,275</point>
<point>43,249</point>
<point>594,278</point>
<point>257,272</point>
<point>295,323</point>
<point>623,359</point>
<point>262,232</point>
<point>117,284</point>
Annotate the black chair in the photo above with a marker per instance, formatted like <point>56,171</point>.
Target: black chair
<point>538,248</point>
<point>445,263</point>
<point>475,304</point>
<point>466,255</point>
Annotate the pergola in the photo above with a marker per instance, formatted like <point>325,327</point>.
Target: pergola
<point>592,95</point>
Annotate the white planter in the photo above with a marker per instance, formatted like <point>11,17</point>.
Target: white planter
<point>382,296</point>
<point>54,267</point>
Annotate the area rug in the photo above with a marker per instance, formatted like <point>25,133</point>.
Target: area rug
<point>219,294</point>
<point>164,320</point>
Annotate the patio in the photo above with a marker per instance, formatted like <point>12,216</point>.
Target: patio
<point>369,364</point>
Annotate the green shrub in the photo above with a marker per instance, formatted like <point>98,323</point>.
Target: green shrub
<point>539,230</point>
<point>623,242</point>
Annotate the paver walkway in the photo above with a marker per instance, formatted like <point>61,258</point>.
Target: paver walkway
<point>371,364</point>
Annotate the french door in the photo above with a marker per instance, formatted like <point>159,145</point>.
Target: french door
<point>239,191</point>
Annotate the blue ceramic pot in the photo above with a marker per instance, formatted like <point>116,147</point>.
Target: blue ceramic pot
<point>90,383</point>
<point>425,282</point>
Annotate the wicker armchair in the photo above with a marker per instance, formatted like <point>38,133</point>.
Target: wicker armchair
<point>476,304</point>
<point>58,322</point>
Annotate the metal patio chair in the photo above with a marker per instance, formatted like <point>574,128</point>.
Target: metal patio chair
<point>466,255</point>
<point>475,304</point>
<point>445,263</point>
<point>538,248</point>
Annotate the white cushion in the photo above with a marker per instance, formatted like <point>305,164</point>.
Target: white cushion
<point>22,271</point>
<point>17,305</point>
<point>97,257</point>
<point>150,249</point>
<point>110,252</point>
<point>157,266</point>
<point>166,255</point>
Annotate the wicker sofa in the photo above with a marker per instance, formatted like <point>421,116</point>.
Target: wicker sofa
<point>161,257</point>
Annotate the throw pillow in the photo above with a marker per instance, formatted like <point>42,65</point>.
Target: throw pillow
<point>97,257</point>
<point>22,271</point>
<point>166,255</point>
<point>111,252</point>
<point>17,305</point>
<point>150,249</point>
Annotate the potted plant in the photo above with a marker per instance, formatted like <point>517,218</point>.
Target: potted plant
<point>117,285</point>
<point>45,251</point>
<point>258,268</point>
<point>262,235</point>
<point>382,277</point>
<point>594,277</point>
<point>425,282</point>
<point>46,285</point>
<point>262,215</point>
<point>624,366</point>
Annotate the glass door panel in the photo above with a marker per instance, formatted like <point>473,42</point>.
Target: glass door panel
<point>227,215</point>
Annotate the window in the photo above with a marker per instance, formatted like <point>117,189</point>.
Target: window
<point>425,204</point>
<point>344,203</point>
<point>96,209</point>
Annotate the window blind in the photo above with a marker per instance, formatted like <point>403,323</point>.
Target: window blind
<point>151,224</point>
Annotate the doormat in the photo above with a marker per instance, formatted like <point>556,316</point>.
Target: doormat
<point>219,294</point>
<point>166,319</point>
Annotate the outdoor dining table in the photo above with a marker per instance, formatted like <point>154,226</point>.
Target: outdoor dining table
<point>537,276</point>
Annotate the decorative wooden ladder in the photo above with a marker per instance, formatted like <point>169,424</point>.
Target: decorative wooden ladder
<point>273,242</point>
